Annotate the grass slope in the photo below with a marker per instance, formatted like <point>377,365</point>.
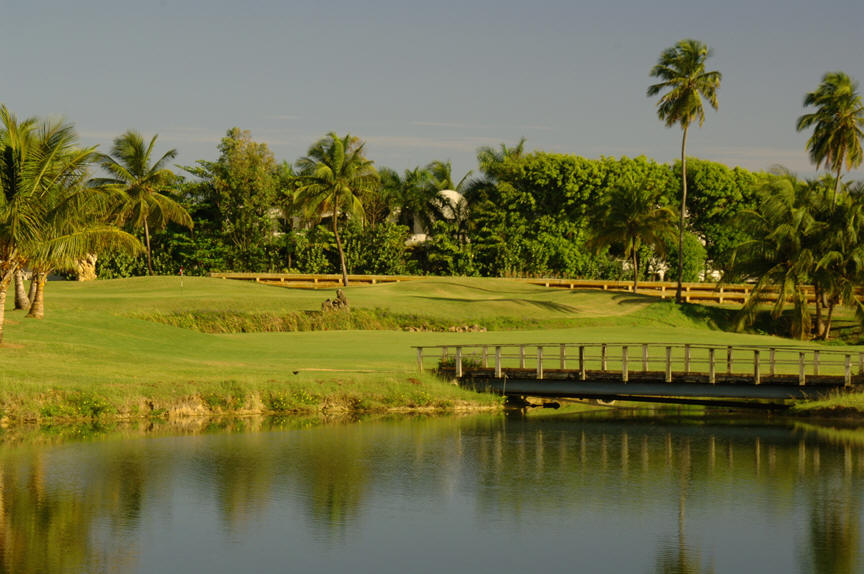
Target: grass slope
<point>93,354</point>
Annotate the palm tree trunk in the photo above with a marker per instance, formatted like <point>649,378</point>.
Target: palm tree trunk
<point>836,186</point>
<point>21,299</point>
<point>147,238</point>
<point>818,296</point>
<point>635,270</point>
<point>827,332</point>
<point>681,219</point>
<point>37,309</point>
<point>4,287</point>
<point>339,246</point>
<point>31,293</point>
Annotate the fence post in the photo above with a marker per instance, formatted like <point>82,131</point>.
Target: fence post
<point>771,361</point>
<point>521,356</point>
<point>687,358</point>
<point>485,356</point>
<point>625,375</point>
<point>644,357</point>
<point>847,375</point>
<point>563,356</point>
<point>582,376</point>
<point>668,364</point>
<point>712,375</point>
<point>729,360</point>
<point>756,366</point>
<point>458,362</point>
<point>802,377</point>
<point>420,359</point>
<point>497,362</point>
<point>539,363</point>
<point>815,362</point>
<point>603,358</point>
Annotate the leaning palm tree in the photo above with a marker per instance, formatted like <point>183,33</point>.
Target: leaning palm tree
<point>333,177</point>
<point>838,124</point>
<point>141,189</point>
<point>632,216</point>
<point>685,82</point>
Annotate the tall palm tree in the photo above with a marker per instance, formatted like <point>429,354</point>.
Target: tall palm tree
<point>142,188</point>
<point>412,196</point>
<point>333,177</point>
<point>685,82</point>
<point>34,159</point>
<point>838,124</point>
<point>633,216</point>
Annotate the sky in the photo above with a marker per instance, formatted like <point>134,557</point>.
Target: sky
<point>424,80</point>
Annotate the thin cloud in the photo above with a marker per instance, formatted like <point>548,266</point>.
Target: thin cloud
<point>459,125</point>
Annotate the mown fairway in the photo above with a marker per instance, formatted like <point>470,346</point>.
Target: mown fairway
<point>92,339</point>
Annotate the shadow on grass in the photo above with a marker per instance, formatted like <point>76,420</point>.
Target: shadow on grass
<point>547,305</point>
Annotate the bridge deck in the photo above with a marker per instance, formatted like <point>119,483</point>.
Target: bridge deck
<point>650,371</point>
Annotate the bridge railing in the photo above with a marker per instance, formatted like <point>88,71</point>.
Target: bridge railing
<point>753,362</point>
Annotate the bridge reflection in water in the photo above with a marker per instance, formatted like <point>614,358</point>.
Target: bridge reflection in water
<point>656,372</point>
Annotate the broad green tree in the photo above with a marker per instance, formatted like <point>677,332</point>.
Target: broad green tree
<point>632,216</point>
<point>684,82</point>
<point>333,177</point>
<point>142,188</point>
<point>838,124</point>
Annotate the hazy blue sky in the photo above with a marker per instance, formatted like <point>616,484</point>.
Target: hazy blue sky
<point>424,80</point>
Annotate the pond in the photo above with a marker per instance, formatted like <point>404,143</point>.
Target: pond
<point>481,493</point>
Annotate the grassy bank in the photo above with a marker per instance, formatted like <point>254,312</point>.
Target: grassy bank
<point>106,349</point>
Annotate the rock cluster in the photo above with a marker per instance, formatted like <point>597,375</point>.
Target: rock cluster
<point>340,303</point>
<point>452,329</point>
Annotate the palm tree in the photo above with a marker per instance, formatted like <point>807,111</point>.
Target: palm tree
<point>34,159</point>
<point>333,177</point>
<point>781,256</point>
<point>74,223</point>
<point>632,215</point>
<point>837,124</point>
<point>681,70</point>
<point>412,196</point>
<point>141,189</point>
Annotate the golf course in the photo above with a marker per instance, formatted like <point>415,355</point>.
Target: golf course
<point>173,347</point>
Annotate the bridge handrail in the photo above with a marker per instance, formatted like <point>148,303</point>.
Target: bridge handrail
<point>619,355</point>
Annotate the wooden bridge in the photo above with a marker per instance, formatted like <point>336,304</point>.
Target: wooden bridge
<point>655,372</point>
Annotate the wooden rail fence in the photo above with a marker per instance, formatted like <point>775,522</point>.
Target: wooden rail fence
<point>692,292</point>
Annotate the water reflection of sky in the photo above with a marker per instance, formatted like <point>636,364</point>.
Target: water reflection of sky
<point>430,495</point>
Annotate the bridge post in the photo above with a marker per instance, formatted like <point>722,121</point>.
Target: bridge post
<point>521,356</point>
<point>802,378</point>
<point>687,358</point>
<point>771,361</point>
<point>603,358</point>
<point>644,357</point>
<point>458,362</point>
<point>539,363</point>
<point>444,354</point>
<point>712,375</point>
<point>582,376</point>
<point>625,375</point>
<point>419,359</point>
<point>729,360</point>
<point>498,362</point>
<point>847,375</point>
<point>815,362</point>
<point>668,364</point>
<point>861,363</point>
<point>756,366</point>
<point>485,356</point>
<point>563,356</point>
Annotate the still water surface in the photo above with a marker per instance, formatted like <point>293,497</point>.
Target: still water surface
<point>454,494</point>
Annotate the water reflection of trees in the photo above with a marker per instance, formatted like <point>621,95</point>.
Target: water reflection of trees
<point>54,519</point>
